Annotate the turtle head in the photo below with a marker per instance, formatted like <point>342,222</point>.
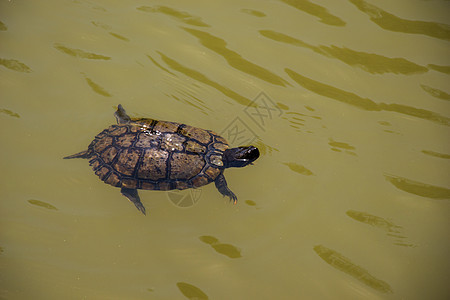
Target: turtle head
<point>240,156</point>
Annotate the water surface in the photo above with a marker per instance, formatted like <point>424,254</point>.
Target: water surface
<point>348,102</point>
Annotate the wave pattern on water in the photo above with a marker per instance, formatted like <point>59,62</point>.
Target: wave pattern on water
<point>436,154</point>
<point>387,124</point>
<point>42,204</point>
<point>435,92</point>
<point>80,53</point>
<point>176,14</point>
<point>191,291</point>
<point>15,65</point>
<point>186,101</point>
<point>373,220</point>
<point>9,113</point>
<point>380,223</point>
<point>174,65</point>
<point>364,103</point>
<point>253,12</point>
<point>418,188</point>
<point>342,146</point>
<point>161,67</point>
<point>234,59</point>
<point>264,148</point>
<point>316,10</point>
<point>3,26</point>
<point>393,23</point>
<point>101,25</point>
<point>96,88</point>
<point>442,69</point>
<point>298,120</point>
<point>343,264</point>
<point>224,249</point>
<point>119,36</point>
<point>298,168</point>
<point>348,95</point>
<point>369,62</point>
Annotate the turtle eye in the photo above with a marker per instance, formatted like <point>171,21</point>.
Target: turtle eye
<point>247,154</point>
<point>252,153</point>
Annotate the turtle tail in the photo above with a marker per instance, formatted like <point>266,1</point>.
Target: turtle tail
<point>82,154</point>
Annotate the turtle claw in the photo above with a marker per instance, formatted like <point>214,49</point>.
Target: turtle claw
<point>221,185</point>
<point>140,207</point>
<point>233,198</point>
<point>133,196</point>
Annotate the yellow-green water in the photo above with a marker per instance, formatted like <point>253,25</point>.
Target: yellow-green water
<point>347,100</point>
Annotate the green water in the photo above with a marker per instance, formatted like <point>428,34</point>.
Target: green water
<point>348,102</point>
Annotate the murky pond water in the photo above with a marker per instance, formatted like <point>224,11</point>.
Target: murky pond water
<point>348,102</point>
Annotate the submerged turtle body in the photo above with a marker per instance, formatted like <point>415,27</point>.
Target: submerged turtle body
<point>159,155</point>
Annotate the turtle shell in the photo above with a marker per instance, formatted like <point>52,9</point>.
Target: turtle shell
<point>157,155</point>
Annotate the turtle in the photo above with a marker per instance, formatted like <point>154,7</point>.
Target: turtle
<point>148,154</point>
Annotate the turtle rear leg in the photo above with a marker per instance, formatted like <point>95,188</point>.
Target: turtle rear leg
<point>221,185</point>
<point>133,196</point>
<point>82,154</point>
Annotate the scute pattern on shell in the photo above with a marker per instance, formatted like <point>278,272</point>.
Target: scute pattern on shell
<point>157,155</point>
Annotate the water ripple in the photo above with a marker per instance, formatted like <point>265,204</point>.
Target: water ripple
<point>161,67</point>
<point>442,69</point>
<point>120,37</point>
<point>393,23</point>
<point>298,168</point>
<point>234,59</point>
<point>369,62</point>
<point>9,113</point>
<point>205,80</point>
<point>343,264</point>
<point>191,292</point>
<point>364,103</point>
<point>264,148</point>
<point>418,188</point>
<point>341,146</point>
<point>80,53</point>
<point>253,12</point>
<point>101,25</point>
<point>373,63</point>
<point>42,204</point>
<point>15,65</point>
<point>96,88</point>
<point>391,229</point>
<point>436,154</point>
<point>224,249</point>
<point>373,220</point>
<point>315,10</point>
<point>3,26</point>
<point>435,92</point>
<point>297,120</point>
<point>177,14</point>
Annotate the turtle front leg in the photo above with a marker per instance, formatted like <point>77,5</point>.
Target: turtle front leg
<point>133,196</point>
<point>221,185</point>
